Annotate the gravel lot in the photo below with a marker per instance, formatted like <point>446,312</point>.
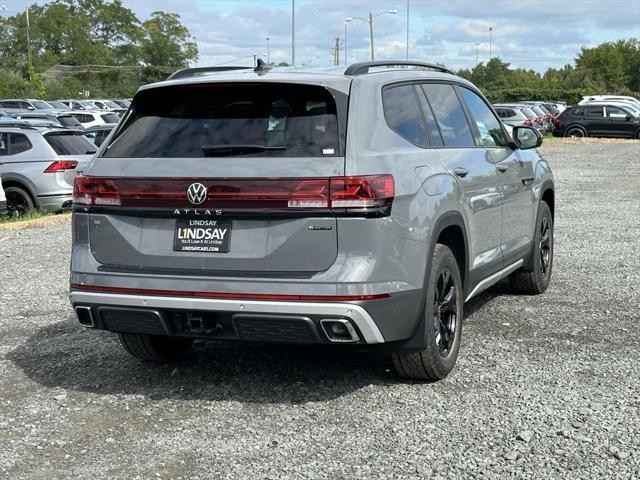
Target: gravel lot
<point>545,387</point>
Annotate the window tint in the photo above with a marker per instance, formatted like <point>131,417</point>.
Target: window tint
<point>433,132</point>
<point>40,105</point>
<point>11,104</point>
<point>70,143</point>
<point>616,112</point>
<point>4,143</point>
<point>69,121</point>
<point>84,117</point>
<point>594,111</point>
<point>577,111</point>
<point>402,113</point>
<point>489,127</point>
<point>267,119</point>
<point>18,143</point>
<point>449,115</point>
<point>109,117</point>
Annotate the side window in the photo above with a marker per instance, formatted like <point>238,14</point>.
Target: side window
<point>510,113</point>
<point>402,113</point>
<point>616,112</point>
<point>594,111</point>
<point>19,143</point>
<point>449,115</point>
<point>577,111</point>
<point>4,143</point>
<point>489,127</point>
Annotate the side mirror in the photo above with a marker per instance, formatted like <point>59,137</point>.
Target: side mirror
<point>29,107</point>
<point>627,118</point>
<point>526,137</point>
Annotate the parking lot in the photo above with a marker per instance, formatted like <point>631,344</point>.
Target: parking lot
<point>545,387</point>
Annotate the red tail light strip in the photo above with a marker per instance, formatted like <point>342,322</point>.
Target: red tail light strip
<point>228,296</point>
<point>61,165</point>
<point>261,193</point>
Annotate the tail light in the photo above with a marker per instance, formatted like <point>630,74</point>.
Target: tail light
<point>556,120</point>
<point>528,121</point>
<point>364,192</point>
<point>61,166</point>
<point>538,120</point>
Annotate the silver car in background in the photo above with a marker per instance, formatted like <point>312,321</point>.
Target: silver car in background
<point>38,166</point>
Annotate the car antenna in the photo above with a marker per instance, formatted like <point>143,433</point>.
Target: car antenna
<point>261,67</point>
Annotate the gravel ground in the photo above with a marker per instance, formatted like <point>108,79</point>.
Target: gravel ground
<point>545,387</point>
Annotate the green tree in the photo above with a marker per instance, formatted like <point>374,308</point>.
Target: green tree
<point>167,42</point>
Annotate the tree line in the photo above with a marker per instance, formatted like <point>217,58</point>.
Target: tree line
<point>113,51</point>
<point>66,47</point>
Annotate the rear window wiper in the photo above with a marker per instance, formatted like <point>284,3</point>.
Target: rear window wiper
<point>220,150</point>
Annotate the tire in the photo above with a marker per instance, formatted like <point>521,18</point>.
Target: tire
<point>19,201</point>
<point>155,348</point>
<point>576,132</point>
<point>537,280</point>
<point>443,322</point>
<point>637,135</point>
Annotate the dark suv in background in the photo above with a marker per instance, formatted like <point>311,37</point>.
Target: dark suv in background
<point>596,119</point>
<point>362,207</point>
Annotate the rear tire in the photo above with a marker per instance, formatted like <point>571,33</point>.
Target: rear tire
<point>578,132</point>
<point>443,322</point>
<point>536,281</point>
<point>155,348</point>
<point>19,201</point>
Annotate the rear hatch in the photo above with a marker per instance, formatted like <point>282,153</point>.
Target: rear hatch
<point>219,179</point>
<point>74,152</point>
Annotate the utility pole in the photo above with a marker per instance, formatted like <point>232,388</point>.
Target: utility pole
<point>293,33</point>
<point>336,52</point>
<point>345,41</point>
<point>407,30</point>
<point>371,36</point>
<point>28,42</point>
<point>477,46</point>
<point>268,52</point>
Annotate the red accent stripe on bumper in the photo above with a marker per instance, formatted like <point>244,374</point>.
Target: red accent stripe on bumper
<point>229,296</point>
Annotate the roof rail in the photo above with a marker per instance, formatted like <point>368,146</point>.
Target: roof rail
<point>192,72</point>
<point>17,124</point>
<point>363,67</point>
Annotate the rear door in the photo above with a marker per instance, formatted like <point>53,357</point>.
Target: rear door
<point>238,162</point>
<point>515,175</point>
<point>475,170</point>
<point>594,120</point>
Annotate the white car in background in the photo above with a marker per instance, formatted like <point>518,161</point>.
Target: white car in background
<point>610,98</point>
<point>91,118</point>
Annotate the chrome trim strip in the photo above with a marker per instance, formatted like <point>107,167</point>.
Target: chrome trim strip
<point>357,314</point>
<point>487,282</point>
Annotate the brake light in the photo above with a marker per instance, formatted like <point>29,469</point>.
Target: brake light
<point>95,191</point>
<point>61,166</point>
<point>556,120</point>
<point>373,191</point>
<point>528,121</point>
<point>538,120</point>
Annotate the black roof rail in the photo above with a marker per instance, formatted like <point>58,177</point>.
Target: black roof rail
<point>363,67</point>
<point>191,72</point>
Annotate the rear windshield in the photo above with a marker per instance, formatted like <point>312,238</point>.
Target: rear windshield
<point>69,121</point>
<point>110,117</point>
<point>70,143</point>
<point>249,119</point>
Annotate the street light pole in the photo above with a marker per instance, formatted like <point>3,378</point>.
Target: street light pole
<point>293,33</point>
<point>346,20</point>
<point>477,46</point>
<point>490,41</point>
<point>371,36</point>
<point>268,52</point>
<point>407,55</point>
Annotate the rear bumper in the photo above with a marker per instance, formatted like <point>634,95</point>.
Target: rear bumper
<point>287,322</point>
<point>55,203</point>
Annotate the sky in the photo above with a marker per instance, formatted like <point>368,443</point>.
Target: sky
<point>528,34</point>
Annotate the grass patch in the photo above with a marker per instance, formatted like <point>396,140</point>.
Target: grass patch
<point>31,219</point>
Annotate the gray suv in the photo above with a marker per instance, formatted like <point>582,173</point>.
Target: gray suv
<point>356,207</point>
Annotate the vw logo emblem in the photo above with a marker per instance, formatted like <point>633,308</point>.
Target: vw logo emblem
<point>197,193</point>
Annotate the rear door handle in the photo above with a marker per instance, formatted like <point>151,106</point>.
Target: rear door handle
<point>461,171</point>
<point>502,168</point>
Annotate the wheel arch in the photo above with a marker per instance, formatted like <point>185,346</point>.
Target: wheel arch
<point>450,230</point>
<point>23,183</point>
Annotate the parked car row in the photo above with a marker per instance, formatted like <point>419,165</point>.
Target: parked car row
<point>43,146</point>
<point>540,115</point>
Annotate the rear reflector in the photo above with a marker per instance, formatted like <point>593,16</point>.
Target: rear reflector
<point>228,296</point>
<point>61,166</point>
<point>371,191</point>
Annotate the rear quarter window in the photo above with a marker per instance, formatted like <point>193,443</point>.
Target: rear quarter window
<point>245,119</point>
